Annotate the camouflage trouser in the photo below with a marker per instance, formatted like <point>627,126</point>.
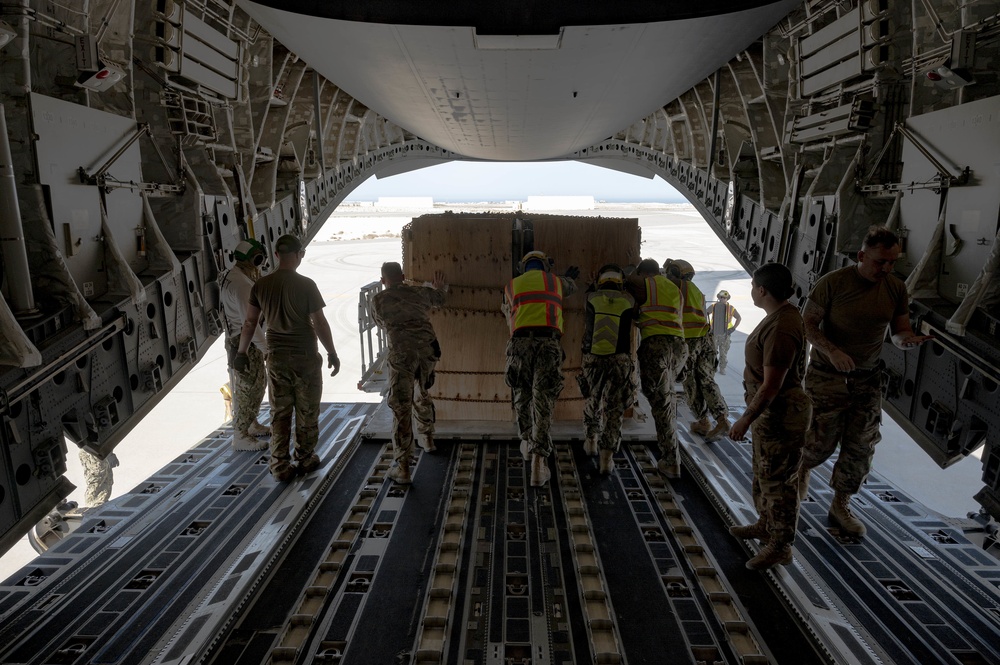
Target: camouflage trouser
<point>97,472</point>
<point>534,375</point>
<point>722,344</point>
<point>247,387</point>
<point>847,411</point>
<point>700,388</point>
<point>410,369</point>
<point>661,357</point>
<point>779,434</point>
<point>610,383</point>
<point>295,381</point>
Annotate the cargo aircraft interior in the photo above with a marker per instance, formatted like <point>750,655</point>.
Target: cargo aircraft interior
<point>142,140</point>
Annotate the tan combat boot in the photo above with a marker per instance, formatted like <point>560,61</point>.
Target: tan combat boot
<point>283,472</point>
<point>256,429</point>
<point>540,473</point>
<point>701,426</point>
<point>757,530</point>
<point>400,472</point>
<point>669,468</point>
<point>772,554</point>
<point>842,517</point>
<point>590,446</point>
<point>309,464</point>
<point>244,441</point>
<point>607,461</point>
<point>428,443</point>
<point>721,427</point>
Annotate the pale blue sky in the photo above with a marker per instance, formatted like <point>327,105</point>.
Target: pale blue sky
<point>502,181</point>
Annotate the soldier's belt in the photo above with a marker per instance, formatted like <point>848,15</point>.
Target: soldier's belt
<point>854,374</point>
<point>538,333</point>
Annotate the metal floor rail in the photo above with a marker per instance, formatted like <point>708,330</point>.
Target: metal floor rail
<point>212,561</point>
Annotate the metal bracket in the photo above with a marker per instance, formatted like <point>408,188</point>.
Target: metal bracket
<point>100,178</point>
<point>97,177</point>
<point>943,180</point>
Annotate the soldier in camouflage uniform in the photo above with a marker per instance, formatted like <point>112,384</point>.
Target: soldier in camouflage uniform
<point>607,364</point>
<point>99,476</point>
<point>293,308</point>
<point>845,318</point>
<point>778,412</point>
<point>700,389</point>
<point>533,306</point>
<point>402,311</point>
<point>247,388</point>
<point>662,354</point>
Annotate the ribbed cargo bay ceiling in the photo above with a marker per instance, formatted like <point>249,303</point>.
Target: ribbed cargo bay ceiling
<point>484,85</point>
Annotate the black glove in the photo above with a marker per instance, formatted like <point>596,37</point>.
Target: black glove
<point>333,361</point>
<point>240,362</point>
<point>572,272</point>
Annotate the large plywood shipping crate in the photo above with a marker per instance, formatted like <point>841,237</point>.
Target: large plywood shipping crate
<point>475,253</point>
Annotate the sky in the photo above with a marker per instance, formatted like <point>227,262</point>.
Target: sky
<point>468,182</point>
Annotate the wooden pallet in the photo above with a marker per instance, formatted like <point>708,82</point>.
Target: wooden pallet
<point>474,251</point>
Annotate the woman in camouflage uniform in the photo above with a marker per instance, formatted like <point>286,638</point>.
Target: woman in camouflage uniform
<point>778,411</point>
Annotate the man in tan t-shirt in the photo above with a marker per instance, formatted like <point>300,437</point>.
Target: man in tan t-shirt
<point>293,308</point>
<point>845,320</point>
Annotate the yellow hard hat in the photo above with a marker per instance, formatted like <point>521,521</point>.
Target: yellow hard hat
<point>536,256</point>
<point>610,274</point>
<point>722,294</point>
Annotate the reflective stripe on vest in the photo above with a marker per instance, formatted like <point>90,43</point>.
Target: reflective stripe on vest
<point>729,316</point>
<point>695,321</point>
<point>608,309</point>
<point>536,301</point>
<point>660,314</point>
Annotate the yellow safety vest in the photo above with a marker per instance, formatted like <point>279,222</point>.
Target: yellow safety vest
<point>536,301</point>
<point>695,320</point>
<point>609,306</point>
<point>661,313</point>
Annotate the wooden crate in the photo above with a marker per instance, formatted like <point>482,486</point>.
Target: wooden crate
<point>474,251</point>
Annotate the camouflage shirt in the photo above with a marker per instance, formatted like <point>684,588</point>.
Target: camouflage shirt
<point>402,311</point>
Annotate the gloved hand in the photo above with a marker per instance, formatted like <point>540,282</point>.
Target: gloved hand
<point>112,460</point>
<point>240,362</point>
<point>333,361</point>
<point>572,272</point>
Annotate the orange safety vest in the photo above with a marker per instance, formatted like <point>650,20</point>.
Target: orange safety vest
<point>695,320</point>
<point>661,313</point>
<point>536,301</point>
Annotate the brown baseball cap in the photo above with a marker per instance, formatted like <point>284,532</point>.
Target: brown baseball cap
<point>287,244</point>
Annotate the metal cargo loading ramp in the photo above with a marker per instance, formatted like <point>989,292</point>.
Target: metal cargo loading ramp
<point>212,561</point>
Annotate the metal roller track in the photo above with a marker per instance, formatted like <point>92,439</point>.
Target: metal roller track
<point>395,566</point>
<point>212,561</point>
<point>914,590</point>
<point>127,585</point>
<point>470,564</point>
